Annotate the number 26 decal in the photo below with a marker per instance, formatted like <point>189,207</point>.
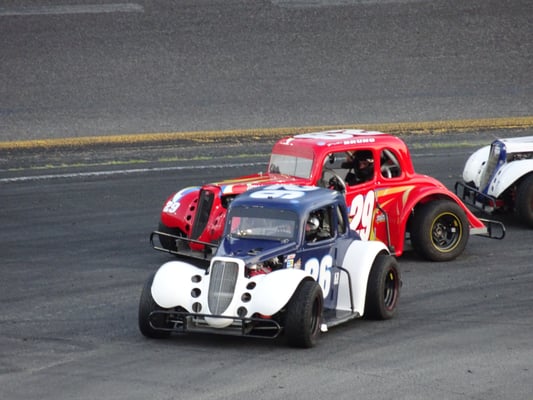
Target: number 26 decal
<point>321,272</point>
<point>361,212</point>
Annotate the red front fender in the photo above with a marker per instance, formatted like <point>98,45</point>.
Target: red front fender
<point>180,208</point>
<point>427,194</point>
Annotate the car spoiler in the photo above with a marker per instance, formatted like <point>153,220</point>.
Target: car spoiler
<point>183,247</point>
<point>483,202</point>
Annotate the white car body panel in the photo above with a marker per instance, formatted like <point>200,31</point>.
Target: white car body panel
<point>518,144</point>
<point>173,284</point>
<point>358,261</point>
<point>475,165</point>
<point>508,175</point>
<point>165,290</point>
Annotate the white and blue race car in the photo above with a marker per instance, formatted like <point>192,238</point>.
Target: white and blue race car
<point>288,265</point>
<point>499,177</point>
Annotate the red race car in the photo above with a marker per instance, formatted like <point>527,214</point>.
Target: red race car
<point>388,200</point>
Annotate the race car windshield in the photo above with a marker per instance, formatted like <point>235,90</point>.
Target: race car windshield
<point>290,165</point>
<point>264,224</point>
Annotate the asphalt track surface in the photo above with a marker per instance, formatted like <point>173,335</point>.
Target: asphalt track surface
<point>89,68</point>
<point>83,88</point>
<point>75,253</point>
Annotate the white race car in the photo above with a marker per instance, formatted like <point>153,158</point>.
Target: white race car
<point>499,177</point>
<point>288,264</point>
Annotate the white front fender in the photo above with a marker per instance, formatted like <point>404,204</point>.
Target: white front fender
<point>475,166</point>
<point>173,283</point>
<point>274,290</point>
<point>508,174</point>
<point>358,262</point>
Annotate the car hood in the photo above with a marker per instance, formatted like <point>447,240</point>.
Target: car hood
<point>242,184</point>
<point>252,251</point>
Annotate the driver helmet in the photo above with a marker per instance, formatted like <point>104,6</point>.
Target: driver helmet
<point>367,172</point>
<point>365,155</point>
<point>312,225</point>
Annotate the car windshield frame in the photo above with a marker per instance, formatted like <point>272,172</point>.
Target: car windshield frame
<point>290,165</point>
<point>262,223</point>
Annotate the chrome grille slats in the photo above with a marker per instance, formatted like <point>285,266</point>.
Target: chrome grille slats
<point>224,276</point>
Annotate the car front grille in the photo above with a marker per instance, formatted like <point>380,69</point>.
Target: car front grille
<point>224,276</point>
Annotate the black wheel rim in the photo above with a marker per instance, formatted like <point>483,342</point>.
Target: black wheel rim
<point>446,231</point>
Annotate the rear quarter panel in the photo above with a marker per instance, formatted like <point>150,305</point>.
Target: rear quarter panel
<point>358,262</point>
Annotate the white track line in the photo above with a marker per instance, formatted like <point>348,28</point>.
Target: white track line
<point>120,172</point>
<point>71,9</point>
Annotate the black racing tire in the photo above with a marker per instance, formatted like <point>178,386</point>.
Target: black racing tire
<point>304,315</point>
<point>146,306</point>
<point>167,242</point>
<point>383,288</point>
<point>439,230</point>
<point>524,200</point>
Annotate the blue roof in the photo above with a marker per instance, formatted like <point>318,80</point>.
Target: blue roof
<point>299,199</point>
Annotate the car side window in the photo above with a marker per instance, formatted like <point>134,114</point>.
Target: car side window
<point>360,166</point>
<point>390,166</point>
<point>318,226</point>
<point>347,168</point>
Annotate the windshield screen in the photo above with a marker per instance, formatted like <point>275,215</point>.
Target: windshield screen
<point>290,165</point>
<point>494,157</point>
<point>261,223</point>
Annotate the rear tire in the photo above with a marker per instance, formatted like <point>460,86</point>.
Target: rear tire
<point>524,200</point>
<point>439,230</point>
<point>147,304</point>
<point>304,315</point>
<point>383,288</point>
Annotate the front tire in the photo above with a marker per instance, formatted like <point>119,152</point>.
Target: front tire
<point>168,242</point>
<point>524,200</point>
<point>439,230</point>
<point>383,288</point>
<point>147,304</point>
<point>304,315</point>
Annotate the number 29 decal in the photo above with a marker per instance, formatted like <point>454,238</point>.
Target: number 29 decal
<point>361,214</point>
